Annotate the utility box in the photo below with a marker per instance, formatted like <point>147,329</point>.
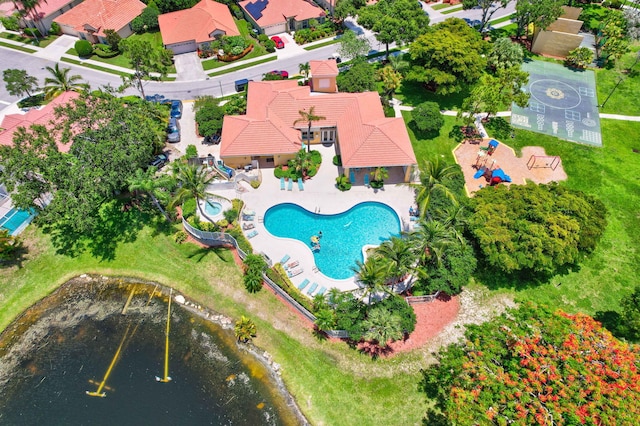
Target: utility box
<point>241,85</point>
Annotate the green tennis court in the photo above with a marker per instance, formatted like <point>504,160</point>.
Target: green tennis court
<point>563,103</point>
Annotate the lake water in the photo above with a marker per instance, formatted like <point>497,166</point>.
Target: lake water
<point>63,347</point>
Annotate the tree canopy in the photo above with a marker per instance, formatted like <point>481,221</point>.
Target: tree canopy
<point>361,77</point>
<point>19,82</point>
<point>535,227</point>
<point>448,58</point>
<point>541,13</point>
<point>145,59</point>
<point>533,366</point>
<point>394,21</point>
<point>495,92</point>
<point>110,141</point>
<point>209,115</point>
<point>505,54</point>
<point>488,8</point>
<point>352,46</point>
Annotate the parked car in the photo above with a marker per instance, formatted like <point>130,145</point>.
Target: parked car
<point>283,74</point>
<point>173,130</point>
<point>176,107</point>
<point>278,41</point>
<point>159,161</point>
<point>154,98</point>
<point>211,140</point>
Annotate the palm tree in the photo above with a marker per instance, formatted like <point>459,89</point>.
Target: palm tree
<point>245,329</point>
<point>148,183</point>
<point>193,181</point>
<point>399,256</point>
<point>372,275</point>
<point>379,174</point>
<point>430,240</point>
<point>454,216</point>
<point>325,319</point>
<point>61,82</point>
<point>304,70</point>
<point>29,11</point>
<point>432,175</point>
<point>301,163</point>
<point>398,63</point>
<point>308,117</point>
<point>382,326</point>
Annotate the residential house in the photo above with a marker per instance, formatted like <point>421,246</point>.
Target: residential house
<point>186,30</point>
<point>44,13</point>
<point>89,19</point>
<point>354,122</point>
<point>278,16</point>
<point>43,116</point>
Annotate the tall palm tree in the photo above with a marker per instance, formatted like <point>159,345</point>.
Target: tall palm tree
<point>399,256</point>
<point>193,181</point>
<point>455,218</point>
<point>398,62</point>
<point>304,69</point>
<point>372,275</point>
<point>430,241</point>
<point>147,183</point>
<point>27,9</point>
<point>61,82</point>
<point>432,174</point>
<point>301,163</point>
<point>309,117</point>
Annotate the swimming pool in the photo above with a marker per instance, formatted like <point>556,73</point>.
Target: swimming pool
<point>212,208</point>
<point>15,220</point>
<point>343,234</point>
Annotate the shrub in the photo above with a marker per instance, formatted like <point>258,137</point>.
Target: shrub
<point>337,161</point>
<point>55,28</point>
<point>32,32</point>
<point>579,58</point>
<point>104,51</point>
<point>84,48</point>
<point>237,204</point>
<point>243,243</point>
<point>35,100</point>
<point>230,215</point>
<point>278,275</point>
<point>113,39</point>
<point>262,38</point>
<point>270,46</point>
<point>189,208</point>
<point>11,23</point>
<point>180,237</point>
<point>343,183</point>
<point>255,184</point>
<point>316,158</point>
<point>191,152</point>
<point>427,117</point>
<point>222,223</point>
<point>237,12</point>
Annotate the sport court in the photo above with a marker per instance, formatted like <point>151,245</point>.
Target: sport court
<point>563,103</point>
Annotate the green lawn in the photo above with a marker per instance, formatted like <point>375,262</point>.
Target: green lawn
<point>501,20</point>
<point>452,10</point>
<point>624,99</point>
<point>20,48</point>
<point>323,44</point>
<point>441,6</point>
<point>243,66</point>
<point>41,42</point>
<point>95,67</point>
<point>611,173</point>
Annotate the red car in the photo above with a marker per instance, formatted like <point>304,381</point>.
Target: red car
<point>283,74</point>
<point>278,41</point>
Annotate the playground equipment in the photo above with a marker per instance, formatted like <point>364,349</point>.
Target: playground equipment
<point>543,162</point>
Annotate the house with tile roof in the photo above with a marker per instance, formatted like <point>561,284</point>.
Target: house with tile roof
<point>89,19</point>
<point>45,13</point>
<point>353,122</point>
<point>323,75</point>
<point>278,16</point>
<point>43,116</point>
<point>186,30</point>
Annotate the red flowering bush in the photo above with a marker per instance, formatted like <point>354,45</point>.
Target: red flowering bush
<point>531,366</point>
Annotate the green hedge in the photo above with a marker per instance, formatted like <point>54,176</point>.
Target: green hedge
<point>243,243</point>
<point>278,275</point>
<point>104,51</point>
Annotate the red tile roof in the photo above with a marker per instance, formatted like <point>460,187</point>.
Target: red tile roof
<point>43,9</point>
<point>326,68</point>
<point>271,12</point>
<point>101,15</point>
<point>43,116</point>
<point>365,136</point>
<point>197,23</point>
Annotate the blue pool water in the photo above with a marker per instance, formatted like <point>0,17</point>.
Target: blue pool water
<point>14,219</point>
<point>343,235</point>
<point>212,208</point>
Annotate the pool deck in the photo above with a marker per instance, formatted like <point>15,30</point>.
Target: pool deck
<point>320,195</point>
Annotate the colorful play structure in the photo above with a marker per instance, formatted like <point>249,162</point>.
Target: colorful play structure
<point>492,174</point>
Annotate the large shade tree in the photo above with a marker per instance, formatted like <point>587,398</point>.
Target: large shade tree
<point>541,13</point>
<point>394,21</point>
<point>109,139</point>
<point>449,57</point>
<point>19,82</point>
<point>533,366</point>
<point>145,60</point>
<point>535,228</point>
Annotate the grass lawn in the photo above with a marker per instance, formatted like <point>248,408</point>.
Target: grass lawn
<point>501,20</point>
<point>331,382</point>
<point>20,48</point>
<point>452,10</point>
<point>323,44</point>
<point>610,173</point>
<point>243,66</point>
<point>42,41</point>
<point>95,67</point>
<point>624,99</point>
<point>441,6</point>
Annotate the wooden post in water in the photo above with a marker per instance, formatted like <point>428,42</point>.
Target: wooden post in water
<point>166,377</point>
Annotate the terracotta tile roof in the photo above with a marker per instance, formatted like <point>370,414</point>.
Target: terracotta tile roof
<point>197,23</point>
<point>42,116</point>
<point>271,12</point>
<point>101,15</point>
<point>366,137</point>
<point>327,68</point>
<point>43,9</point>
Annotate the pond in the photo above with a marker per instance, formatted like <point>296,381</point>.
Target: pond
<point>78,341</point>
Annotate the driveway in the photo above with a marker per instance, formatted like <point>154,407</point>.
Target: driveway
<point>189,67</point>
